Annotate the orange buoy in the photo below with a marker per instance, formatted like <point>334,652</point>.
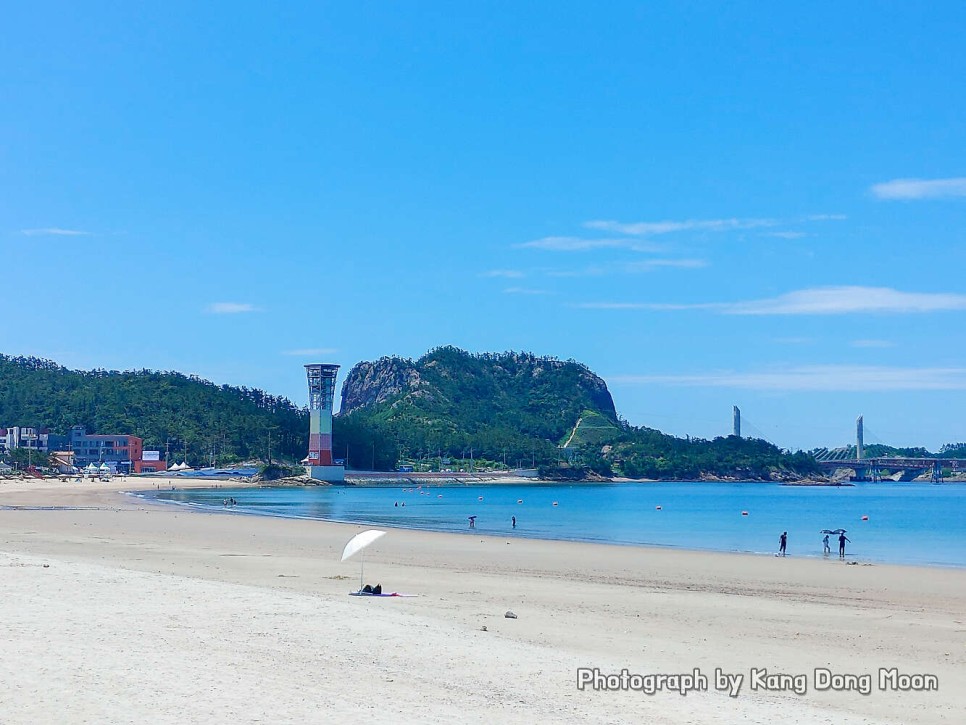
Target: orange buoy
<point>744,513</point>
<point>865,518</point>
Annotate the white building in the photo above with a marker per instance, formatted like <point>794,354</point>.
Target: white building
<point>20,437</point>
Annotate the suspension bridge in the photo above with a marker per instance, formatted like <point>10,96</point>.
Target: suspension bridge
<point>875,468</point>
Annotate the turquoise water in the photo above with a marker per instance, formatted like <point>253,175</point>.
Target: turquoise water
<point>910,523</point>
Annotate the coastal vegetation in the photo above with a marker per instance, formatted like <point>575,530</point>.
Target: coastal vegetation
<point>213,423</point>
<point>276,471</point>
<point>512,408</point>
<point>452,409</point>
<point>448,410</point>
<point>22,458</point>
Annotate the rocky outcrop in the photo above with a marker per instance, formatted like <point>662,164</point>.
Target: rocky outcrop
<point>447,376</point>
<point>372,383</point>
<point>597,390</point>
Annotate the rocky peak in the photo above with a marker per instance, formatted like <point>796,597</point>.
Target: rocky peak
<point>370,383</point>
<point>448,376</point>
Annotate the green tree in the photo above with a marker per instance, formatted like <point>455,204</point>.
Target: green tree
<point>21,458</point>
<point>166,409</point>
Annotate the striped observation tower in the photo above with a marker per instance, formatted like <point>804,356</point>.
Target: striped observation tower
<point>321,467</point>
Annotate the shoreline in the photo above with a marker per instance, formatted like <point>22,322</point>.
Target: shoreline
<point>145,495</point>
<point>376,480</point>
<point>217,607</point>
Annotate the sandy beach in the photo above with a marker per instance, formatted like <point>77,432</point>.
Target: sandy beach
<point>115,609</point>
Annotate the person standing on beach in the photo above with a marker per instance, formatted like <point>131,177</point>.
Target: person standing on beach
<point>842,539</point>
<point>782,543</point>
<point>828,549</point>
<point>472,522</point>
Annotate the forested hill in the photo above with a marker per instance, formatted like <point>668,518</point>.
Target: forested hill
<point>447,384</point>
<point>524,410</point>
<point>161,407</point>
<point>510,408</point>
<point>450,401</point>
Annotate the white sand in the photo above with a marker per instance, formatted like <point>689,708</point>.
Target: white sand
<point>150,613</point>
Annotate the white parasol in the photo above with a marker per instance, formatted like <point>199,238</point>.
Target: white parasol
<point>356,544</point>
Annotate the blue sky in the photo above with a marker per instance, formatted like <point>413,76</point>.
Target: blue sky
<point>709,206</point>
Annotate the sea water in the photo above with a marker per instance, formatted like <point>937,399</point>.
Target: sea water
<point>908,523</point>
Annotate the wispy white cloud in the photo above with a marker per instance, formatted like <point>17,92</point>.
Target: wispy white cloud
<point>921,188</point>
<point>666,227</point>
<point>311,351</point>
<point>647,265</point>
<point>687,225</point>
<point>579,244</point>
<point>525,291</point>
<point>825,217</point>
<point>503,273</point>
<point>230,308</point>
<point>815,378</point>
<point>655,306</point>
<point>55,231</point>
<point>817,301</point>
<point>848,300</point>
<point>637,267</point>
<point>634,231</point>
<point>645,229</point>
<point>873,344</point>
<point>785,235</point>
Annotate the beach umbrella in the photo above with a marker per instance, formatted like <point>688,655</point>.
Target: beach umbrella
<point>356,544</point>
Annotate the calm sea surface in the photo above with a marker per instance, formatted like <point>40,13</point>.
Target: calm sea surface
<point>910,523</point>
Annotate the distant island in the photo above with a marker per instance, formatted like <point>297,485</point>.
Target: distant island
<point>449,410</point>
